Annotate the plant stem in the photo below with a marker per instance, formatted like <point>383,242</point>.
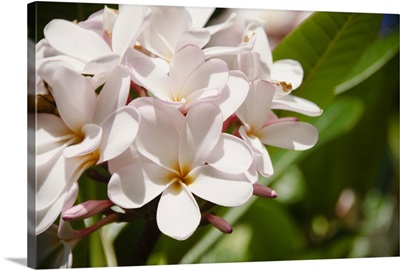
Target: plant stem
<point>147,242</point>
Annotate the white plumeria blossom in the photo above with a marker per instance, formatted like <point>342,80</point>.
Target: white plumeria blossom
<point>192,79</point>
<point>285,75</point>
<point>97,45</point>
<point>172,28</point>
<point>91,129</point>
<point>262,127</point>
<point>181,156</point>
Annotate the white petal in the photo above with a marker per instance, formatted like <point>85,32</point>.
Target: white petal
<point>217,51</point>
<point>74,40</point>
<point>47,66</point>
<point>182,65</point>
<point>46,216</point>
<point>262,159</point>
<point>104,64</point>
<point>252,174</point>
<point>65,230</point>
<point>197,37</point>
<point>50,129</point>
<point>255,109</point>
<point>75,98</point>
<point>135,185</point>
<point>261,44</point>
<point>296,104</point>
<point>128,25</point>
<point>129,156</point>
<point>213,74</point>
<point>119,132</point>
<point>200,134</point>
<point>213,29</point>
<point>289,71</point>
<point>254,68</point>
<point>200,15</point>
<point>231,155</point>
<point>158,136</point>
<point>289,135</point>
<point>89,144</point>
<point>178,214</point>
<point>151,77</point>
<point>220,188</point>
<point>178,19</point>
<point>113,95</point>
<point>95,21</point>
<point>233,94</point>
<point>55,178</point>
<point>155,43</point>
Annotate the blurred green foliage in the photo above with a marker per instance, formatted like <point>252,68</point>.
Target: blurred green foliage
<point>339,199</point>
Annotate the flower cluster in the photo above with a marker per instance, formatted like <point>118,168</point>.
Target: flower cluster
<point>173,109</point>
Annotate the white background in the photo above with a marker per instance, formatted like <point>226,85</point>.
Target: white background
<point>13,205</point>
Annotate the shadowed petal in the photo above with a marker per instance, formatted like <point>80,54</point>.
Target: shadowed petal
<point>113,95</point>
<point>128,25</point>
<point>255,109</point>
<point>233,94</point>
<point>182,65</point>
<point>231,155</point>
<point>135,185</point>
<point>200,134</point>
<point>151,77</point>
<point>158,136</point>
<point>75,98</point>
<point>90,142</point>
<point>119,132</point>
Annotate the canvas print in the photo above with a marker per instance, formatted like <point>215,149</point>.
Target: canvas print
<point>162,135</point>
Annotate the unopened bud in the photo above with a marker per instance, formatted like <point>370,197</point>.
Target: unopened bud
<point>86,209</point>
<point>262,191</point>
<point>218,222</point>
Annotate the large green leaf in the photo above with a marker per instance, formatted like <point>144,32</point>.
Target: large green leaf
<point>377,54</point>
<point>328,45</point>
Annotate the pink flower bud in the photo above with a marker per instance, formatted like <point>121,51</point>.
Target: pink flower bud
<point>86,209</point>
<point>218,222</point>
<point>262,191</point>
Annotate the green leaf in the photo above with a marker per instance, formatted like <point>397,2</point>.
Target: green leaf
<point>328,45</point>
<point>376,56</point>
<point>338,118</point>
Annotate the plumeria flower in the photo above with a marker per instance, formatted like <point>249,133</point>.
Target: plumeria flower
<point>262,127</point>
<point>183,157</point>
<point>83,46</point>
<point>191,79</point>
<point>285,75</point>
<point>172,28</point>
<point>91,129</point>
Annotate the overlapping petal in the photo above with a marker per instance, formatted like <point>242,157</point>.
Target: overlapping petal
<point>93,135</point>
<point>129,24</point>
<point>231,155</point>
<point>119,132</point>
<point>255,109</point>
<point>113,95</point>
<point>158,136</point>
<point>75,97</point>
<point>200,133</point>
<point>137,184</point>
<point>74,40</point>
